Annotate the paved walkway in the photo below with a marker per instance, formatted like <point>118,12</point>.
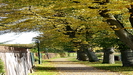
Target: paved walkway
<point>66,67</point>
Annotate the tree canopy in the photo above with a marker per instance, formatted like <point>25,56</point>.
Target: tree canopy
<point>68,20</point>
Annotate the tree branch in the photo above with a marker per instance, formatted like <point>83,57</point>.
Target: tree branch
<point>131,15</point>
<point>124,35</point>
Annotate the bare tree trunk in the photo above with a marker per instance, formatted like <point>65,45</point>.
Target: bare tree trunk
<point>127,57</point>
<point>86,53</point>
<point>109,55</point>
<point>91,55</point>
<point>81,55</point>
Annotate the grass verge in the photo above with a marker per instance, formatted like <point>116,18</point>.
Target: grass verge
<point>117,67</point>
<point>45,68</point>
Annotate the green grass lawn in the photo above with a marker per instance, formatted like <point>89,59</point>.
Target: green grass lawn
<point>46,68</point>
<point>117,67</point>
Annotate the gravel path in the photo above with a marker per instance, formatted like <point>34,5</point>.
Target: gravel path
<point>66,67</point>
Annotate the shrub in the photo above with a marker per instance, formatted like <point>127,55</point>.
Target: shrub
<point>36,58</point>
<point>1,67</point>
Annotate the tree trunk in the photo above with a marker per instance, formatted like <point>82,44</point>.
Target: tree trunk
<point>109,55</point>
<point>91,55</point>
<point>127,57</point>
<point>81,55</point>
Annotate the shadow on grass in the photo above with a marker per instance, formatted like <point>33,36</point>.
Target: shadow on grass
<point>67,69</point>
<point>111,67</point>
<point>115,68</point>
<point>62,61</point>
<point>51,69</point>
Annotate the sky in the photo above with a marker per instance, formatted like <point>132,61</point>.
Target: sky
<point>18,38</point>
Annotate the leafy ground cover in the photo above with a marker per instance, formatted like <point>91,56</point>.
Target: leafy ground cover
<point>117,67</point>
<point>45,68</point>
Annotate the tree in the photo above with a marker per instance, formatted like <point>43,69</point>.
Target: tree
<point>56,12</point>
<point>118,26</point>
<point>108,43</point>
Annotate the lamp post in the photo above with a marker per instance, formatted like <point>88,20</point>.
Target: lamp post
<point>38,42</point>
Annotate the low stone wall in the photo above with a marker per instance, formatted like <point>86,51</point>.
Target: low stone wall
<point>49,55</point>
<point>17,61</point>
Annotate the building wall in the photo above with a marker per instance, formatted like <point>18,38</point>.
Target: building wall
<point>17,61</point>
